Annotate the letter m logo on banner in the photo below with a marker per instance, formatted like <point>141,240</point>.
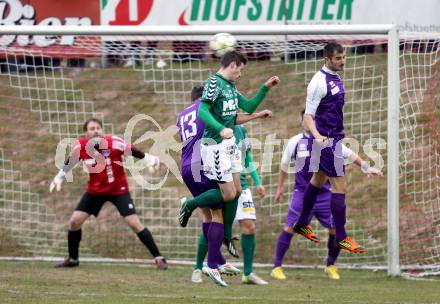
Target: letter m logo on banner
<point>125,12</point>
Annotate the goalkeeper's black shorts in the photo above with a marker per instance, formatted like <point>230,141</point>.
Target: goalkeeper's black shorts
<point>92,204</point>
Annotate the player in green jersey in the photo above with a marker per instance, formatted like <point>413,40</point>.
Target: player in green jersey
<point>221,158</point>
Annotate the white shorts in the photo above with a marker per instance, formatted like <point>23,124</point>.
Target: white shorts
<point>246,207</point>
<point>221,160</point>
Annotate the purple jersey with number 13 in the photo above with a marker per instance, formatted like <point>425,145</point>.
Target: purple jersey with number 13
<point>191,131</point>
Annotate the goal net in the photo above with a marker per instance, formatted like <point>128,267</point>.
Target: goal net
<point>139,84</point>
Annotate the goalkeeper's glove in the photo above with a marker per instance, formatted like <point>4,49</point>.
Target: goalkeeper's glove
<point>57,181</point>
<point>151,162</point>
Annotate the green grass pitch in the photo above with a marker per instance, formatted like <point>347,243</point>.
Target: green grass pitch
<point>39,282</point>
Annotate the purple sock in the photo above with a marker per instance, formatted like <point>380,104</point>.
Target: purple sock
<point>337,206</point>
<point>221,258</point>
<point>310,194</point>
<point>215,237</point>
<point>205,229</point>
<point>333,250</point>
<point>283,244</point>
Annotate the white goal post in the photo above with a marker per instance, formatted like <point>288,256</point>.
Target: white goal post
<point>393,84</point>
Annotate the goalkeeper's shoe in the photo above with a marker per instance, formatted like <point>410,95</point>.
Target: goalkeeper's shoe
<point>161,263</point>
<point>215,276</point>
<point>67,263</point>
<point>307,232</point>
<point>278,273</point>
<point>229,269</point>
<point>184,213</point>
<point>351,245</point>
<point>230,245</point>
<point>253,279</point>
<point>332,272</point>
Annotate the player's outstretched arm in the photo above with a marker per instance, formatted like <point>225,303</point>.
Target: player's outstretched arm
<point>69,164</point>
<point>363,165</point>
<point>250,105</point>
<point>147,160</point>
<point>249,163</point>
<point>244,118</point>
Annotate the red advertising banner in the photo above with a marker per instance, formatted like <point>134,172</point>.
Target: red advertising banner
<point>50,12</point>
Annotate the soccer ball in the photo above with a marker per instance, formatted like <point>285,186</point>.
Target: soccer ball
<point>222,43</point>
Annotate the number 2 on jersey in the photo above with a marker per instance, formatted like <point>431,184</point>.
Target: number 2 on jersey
<point>188,128</point>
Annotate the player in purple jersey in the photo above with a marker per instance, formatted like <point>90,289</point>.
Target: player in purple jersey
<point>191,130</point>
<point>324,118</point>
<point>297,154</point>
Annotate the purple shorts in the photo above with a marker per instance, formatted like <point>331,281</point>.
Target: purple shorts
<point>331,160</point>
<point>198,187</point>
<point>321,210</point>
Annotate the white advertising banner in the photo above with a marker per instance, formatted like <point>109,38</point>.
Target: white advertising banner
<point>410,15</point>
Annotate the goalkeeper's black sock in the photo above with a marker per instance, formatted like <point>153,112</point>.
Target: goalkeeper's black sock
<point>73,239</point>
<point>147,239</point>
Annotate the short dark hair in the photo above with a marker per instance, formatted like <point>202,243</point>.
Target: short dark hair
<point>196,92</point>
<point>93,119</point>
<point>331,47</point>
<point>233,56</point>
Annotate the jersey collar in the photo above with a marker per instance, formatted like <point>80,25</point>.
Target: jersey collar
<point>327,70</point>
<point>307,134</point>
<point>222,77</point>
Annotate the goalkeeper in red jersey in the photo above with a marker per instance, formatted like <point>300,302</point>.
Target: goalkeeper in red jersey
<point>102,156</point>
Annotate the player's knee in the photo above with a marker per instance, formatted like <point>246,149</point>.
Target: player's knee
<point>251,229</point>
<point>332,231</point>
<point>340,189</point>
<point>288,230</point>
<point>248,227</point>
<point>75,223</point>
<point>229,196</point>
<point>338,185</point>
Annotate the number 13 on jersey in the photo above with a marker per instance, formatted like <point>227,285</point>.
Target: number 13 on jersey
<point>188,127</point>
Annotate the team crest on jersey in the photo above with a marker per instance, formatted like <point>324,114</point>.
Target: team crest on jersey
<point>334,89</point>
<point>302,150</point>
<point>230,107</point>
<point>118,145</point>
<point>105,152</point>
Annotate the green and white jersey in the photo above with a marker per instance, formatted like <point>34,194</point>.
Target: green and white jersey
<point>243,143</point>
<point>223,97</point>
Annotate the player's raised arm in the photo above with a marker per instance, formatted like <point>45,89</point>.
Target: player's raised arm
<point>349,154</point>
<point>69,164</point>
<point>250,105</point>
<point>244,118</point>
<point>150,161</point>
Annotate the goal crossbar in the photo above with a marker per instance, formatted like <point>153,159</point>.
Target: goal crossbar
<point>102,30</point>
